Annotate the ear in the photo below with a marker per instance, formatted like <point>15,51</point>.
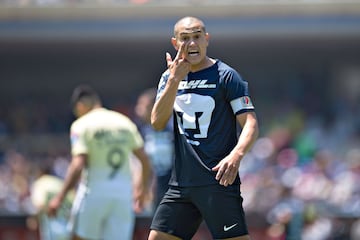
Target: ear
<point>207,37</point>
<point>81,109</point>
<point>174,43</point>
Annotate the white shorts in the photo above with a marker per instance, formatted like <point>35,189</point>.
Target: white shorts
<point>97,216</point>
<point>52,228</point>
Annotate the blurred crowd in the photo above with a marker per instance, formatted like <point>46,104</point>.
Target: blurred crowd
<point>18,171</point>
<point>302,177</point>
<point>16,118</point>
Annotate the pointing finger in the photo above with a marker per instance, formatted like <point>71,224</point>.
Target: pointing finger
<point>180,52</point>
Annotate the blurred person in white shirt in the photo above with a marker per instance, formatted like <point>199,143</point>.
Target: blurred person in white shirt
<point>45,187</point>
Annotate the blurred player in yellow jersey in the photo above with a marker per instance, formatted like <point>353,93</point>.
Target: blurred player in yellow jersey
<point>45,187</point>
<point>102,142</point>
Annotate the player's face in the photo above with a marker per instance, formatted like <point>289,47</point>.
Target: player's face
<point>196,42</point>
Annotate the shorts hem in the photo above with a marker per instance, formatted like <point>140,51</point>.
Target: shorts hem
<point>164,230</point>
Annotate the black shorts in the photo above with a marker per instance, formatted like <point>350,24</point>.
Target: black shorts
<point>182,210</point>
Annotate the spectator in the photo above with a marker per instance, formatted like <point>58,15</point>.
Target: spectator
<point>158,144</point>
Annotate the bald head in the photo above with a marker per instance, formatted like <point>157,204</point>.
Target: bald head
<point>188,25</point>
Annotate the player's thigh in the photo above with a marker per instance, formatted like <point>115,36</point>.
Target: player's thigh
<point>88,215</point>
<point>75,237</point>
<point>120,221</point>
<point>221,208</point>
<point>156,235</point>
<point>246,237</point>
<point>176,215</point>
<point>53,228</point>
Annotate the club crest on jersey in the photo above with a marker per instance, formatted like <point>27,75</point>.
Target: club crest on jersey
<point>246,101</point>
<point>192,84</point>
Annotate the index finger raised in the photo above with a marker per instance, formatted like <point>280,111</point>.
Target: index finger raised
<point>180,52</point>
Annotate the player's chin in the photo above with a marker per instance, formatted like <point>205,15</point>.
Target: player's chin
<point>194,60</point>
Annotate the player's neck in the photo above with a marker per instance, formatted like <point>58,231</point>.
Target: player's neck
<point>207,62</point>
<point>96,106</point>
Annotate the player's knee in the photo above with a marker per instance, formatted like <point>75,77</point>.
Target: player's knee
<point>156,235</point>
<point>76,237</point>
<point>246,237</point>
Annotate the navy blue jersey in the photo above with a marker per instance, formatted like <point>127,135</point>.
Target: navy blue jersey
<point>205,110</point>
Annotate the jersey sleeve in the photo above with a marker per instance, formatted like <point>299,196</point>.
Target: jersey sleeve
<point>162,83</point>
<point>77,140</point>
<point>237,93</point>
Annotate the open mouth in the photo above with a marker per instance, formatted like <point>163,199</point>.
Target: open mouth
<point>193,53</point>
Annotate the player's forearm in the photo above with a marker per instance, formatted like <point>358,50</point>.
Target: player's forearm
<point>72,177</point>
<point>146,175</point>
<point>163,107</point>
<point>146,172</point>
<point>247,138</point>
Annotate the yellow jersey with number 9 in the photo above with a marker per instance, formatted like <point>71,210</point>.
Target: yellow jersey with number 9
<point>108,139</point>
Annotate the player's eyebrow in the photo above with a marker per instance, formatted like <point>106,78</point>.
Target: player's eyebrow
<point>189,31</point>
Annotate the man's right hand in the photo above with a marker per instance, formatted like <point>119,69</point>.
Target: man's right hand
<point>179,67</point>
<point>53,206</point>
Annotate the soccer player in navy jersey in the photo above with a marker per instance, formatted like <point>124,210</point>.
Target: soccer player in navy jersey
<point>208,99</point>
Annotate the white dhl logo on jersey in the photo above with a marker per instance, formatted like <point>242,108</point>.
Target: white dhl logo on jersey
<point>195,84</point>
